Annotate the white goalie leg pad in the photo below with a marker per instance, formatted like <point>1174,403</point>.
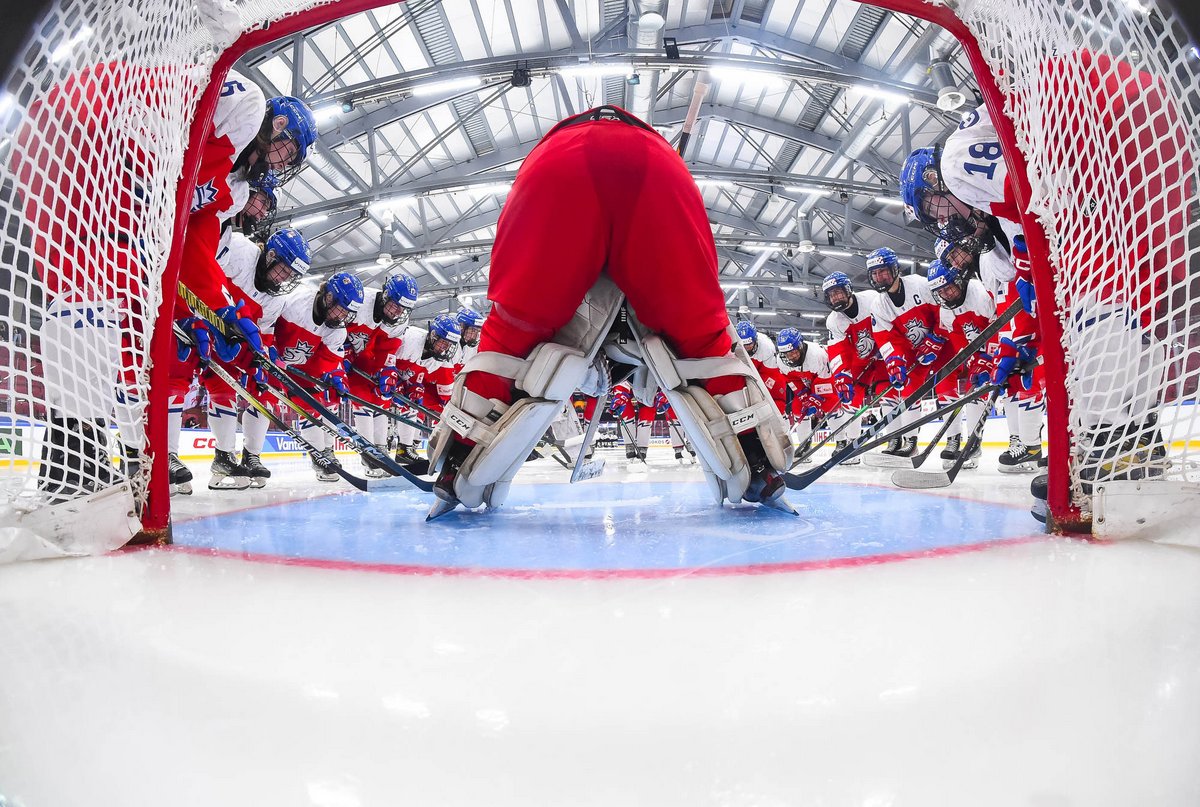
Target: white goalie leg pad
<point>711,424</point>
<point>505,434</point>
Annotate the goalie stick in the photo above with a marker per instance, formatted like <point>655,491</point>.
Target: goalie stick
<point>317,456</point>
<point>922,480</point>
<point>801,481</point>
<point>363,402</point>
<point>339,426</point>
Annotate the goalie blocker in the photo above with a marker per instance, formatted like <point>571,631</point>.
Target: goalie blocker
<point>740,438</point>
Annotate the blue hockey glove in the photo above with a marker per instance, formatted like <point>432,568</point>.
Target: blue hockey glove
<point>843,384</point>
<point>242,328</point>
<point>1010,356</point>
<point>199,331</point>
<point>897,370</point>
<point>930,347</point>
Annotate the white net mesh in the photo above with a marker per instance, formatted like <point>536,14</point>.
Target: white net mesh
<point>94,121</point>
<point>1103,97</point>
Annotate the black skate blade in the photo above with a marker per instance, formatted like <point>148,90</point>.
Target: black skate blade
<point>782,505</point>
<point>439,508</point>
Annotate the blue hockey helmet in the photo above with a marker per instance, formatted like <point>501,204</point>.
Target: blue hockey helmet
<point>747,335</point>
<point>301,125</point>
<point>879,260</point>
<point>396,302</point>
<point>340,295</point>
<point>470,325</point>
<point>921,174</point>
<point>284,262</point>
<point>262,201</point>
<point>444,337</point>
<point>791,347</point>
<point>838,290</point>
<point>947,283</point>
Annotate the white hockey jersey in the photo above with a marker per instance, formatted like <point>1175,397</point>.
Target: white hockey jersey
<point>240,260</point>
<point>237,118</point>
<point>850,338</point>
<point>968,320</point>
<point>914,317</point>
<point>300,340</point>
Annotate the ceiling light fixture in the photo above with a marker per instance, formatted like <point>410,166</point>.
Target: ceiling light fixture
<point>449,85</point>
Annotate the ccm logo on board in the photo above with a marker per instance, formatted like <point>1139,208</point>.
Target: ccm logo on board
<point>204,442</point>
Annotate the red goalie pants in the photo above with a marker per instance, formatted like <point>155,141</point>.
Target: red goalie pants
<point>604,195</point>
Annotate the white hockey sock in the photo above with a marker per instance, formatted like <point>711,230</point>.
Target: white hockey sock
<point>853,431</point>
<point>380,435</point>
<point>128,413</point>
<point>405,434</point>
<point>803,431</point>
<point>1029,421</point>
<point>971,413</point>
<point>676,436</point>
<point>1012,416</point>
<point>364,424</point>
<point>643,434</point>
<point>315,435</point>
<point>174,424</point>
<point>254,431</point>
<point>222,419</point>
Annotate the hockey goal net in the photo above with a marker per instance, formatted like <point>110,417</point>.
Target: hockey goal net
<point>1097,107</point>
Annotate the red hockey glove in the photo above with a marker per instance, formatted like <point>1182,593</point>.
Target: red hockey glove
<point>897,370</point>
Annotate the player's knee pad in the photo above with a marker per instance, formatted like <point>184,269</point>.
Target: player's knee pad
<point>504,434</point>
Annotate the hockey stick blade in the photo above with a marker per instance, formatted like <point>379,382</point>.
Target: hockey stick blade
<point>916,461</point>
<point>588,470</point>
<point>871,440</point>
<point>925,480</point>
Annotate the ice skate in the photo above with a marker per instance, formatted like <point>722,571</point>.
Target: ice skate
<point>1019,458</point>
<point>180,476</point>
<point>838,447</point>
<point>901,447</point>
<point>259,473</point>
<point>227,473</point>
<point>323,470</point>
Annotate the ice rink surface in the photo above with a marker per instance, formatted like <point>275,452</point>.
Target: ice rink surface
<point>617,642</point>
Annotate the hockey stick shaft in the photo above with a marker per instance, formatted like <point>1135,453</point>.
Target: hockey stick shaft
<point>939,479</point>
<point>699,90</point>
<point>360,443</point>
<point>870,440</point>
<point>812,449</point>
<point>279,423</point>
<point>942,373</point>
<point>363,402</point>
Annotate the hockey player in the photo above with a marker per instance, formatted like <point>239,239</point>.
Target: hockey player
<point>373,341</point>
<point>425,365</point>
<point>310,335</point>
<point>906,327</point>
<point>263,276</point>
<point>603,191</point>
<point>762,354</point>
<point>857,371</point>
<point>470,328</point>
<point>806,370</point>
<point>1024,403</point>
<point>969,309</point>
